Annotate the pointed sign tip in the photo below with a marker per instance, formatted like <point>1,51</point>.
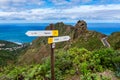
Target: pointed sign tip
<point>27,33</point>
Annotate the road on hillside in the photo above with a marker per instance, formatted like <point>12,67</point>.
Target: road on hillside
<point>105,42</point>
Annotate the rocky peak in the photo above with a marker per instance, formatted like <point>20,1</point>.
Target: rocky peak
<point>81,25</point>
<point>80,28</point>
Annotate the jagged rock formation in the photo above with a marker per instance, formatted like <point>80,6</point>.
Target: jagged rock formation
<point>81,25</point>
<point>80,28</point>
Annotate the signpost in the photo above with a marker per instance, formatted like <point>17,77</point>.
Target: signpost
<point>52,57</point>
<point>52,40</point>
<point>58,39</point>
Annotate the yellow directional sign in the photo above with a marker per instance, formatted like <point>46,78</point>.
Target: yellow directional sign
<point>50,40</point>
<point>54,32</point>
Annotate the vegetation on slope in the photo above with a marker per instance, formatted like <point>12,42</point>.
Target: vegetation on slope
<point>6,57</point>
<point>114,40</point>
<point>9,52</point>
<point>8,44</point>
<point>9,57</point>
<point>76,63</point>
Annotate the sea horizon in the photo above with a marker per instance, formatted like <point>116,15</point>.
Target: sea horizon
<point>15,32</point>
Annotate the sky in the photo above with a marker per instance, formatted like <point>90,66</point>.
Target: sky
<point>59,10</point>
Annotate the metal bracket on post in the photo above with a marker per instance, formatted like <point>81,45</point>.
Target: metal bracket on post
<point>53,45</point>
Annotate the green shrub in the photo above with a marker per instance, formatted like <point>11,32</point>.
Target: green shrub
<point>117,45</point>
<point>75,61</point>
<point>93,76</point>
<point>103,57</point>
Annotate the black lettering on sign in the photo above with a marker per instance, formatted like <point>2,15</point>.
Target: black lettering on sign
<point>47,33</point>
<point>34,33</point>
<point>56,39</point>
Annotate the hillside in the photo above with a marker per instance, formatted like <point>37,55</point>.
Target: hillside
<point>9,52</point>
<point>114,40</point>
<point>7,44</point>
<point>82,58</point>
<point>73,64</point>
<point>80,37</point>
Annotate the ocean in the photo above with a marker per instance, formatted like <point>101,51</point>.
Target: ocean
<point>15,32</point>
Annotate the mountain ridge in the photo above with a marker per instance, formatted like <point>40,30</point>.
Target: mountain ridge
<point>80,37</point>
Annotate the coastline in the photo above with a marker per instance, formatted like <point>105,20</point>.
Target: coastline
<point>16,33</point>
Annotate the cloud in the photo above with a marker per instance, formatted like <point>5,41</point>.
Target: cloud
<point>87,12</point>
<point>17,5</point>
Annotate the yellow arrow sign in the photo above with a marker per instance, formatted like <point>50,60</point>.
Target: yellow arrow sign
<point>50,40</point>
<point>54,32</point>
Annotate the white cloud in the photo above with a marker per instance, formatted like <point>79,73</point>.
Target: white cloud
<point>87,12</point>
<point>17,5</point>
<point>87,8</point>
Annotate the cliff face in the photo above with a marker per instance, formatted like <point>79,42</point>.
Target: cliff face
<point>80,37</point>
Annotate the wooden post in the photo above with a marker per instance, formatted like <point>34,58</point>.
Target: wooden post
<point>52,57</point>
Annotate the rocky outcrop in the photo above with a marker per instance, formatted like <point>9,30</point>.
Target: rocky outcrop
<point>80,28</point>
<point>81,25</point>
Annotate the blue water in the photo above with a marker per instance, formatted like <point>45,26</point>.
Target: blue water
<point>16,32</point>
<point>105,28</point>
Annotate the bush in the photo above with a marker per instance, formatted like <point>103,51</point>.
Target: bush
<point>117,45</point>
<point>93,76</point>
<point>103,57</point>
<point>75,61</point>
